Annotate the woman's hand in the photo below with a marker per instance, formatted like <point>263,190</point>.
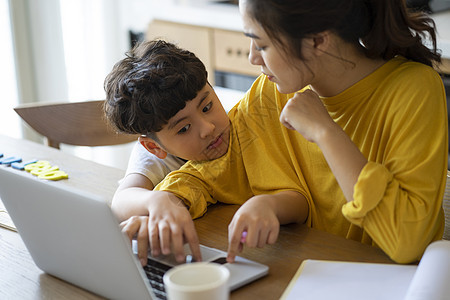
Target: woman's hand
<point>260,218</point>
<point>306,114</point>
<point>257,218</point>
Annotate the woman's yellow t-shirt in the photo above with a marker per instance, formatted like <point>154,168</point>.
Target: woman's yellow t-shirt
<point>396,116</point>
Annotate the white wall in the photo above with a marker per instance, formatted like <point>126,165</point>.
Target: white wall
<point>65,48</point>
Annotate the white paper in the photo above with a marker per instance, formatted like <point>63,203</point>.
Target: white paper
<point>347,280</point>
<point>318,279</point>
<point>432,278</point>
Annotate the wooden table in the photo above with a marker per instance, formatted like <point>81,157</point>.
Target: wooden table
<point>21,279</point>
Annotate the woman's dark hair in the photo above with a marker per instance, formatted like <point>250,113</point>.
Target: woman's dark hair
<point>384,27</point>
<point>150,85</point>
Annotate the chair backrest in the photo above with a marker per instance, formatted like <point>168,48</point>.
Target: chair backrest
<point>446,206</point>
<point>73,123</point>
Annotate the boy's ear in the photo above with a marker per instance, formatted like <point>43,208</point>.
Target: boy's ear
<point>152,147</point>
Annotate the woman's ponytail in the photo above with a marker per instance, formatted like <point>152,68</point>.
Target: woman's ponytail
<point>395,31</point>
<point>385,27</point>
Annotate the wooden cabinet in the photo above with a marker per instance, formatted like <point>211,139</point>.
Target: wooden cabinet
<point>231,51</point>
<point>193,38</point>
<point>220,50</point>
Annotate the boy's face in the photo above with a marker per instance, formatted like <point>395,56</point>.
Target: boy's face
<point>200,131</point>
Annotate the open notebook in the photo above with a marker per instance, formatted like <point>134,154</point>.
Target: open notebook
<point>73,235</point>
<point>430,280</point>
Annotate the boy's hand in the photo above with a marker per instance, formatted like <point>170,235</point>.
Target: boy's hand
<point>166,229</point>
<point>137,226</point>
<point>170,226</point>
<point>256,217</point>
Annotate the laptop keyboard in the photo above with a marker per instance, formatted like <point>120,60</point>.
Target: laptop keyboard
<point>155,272</point>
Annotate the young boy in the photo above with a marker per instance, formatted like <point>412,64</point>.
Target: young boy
<point>162,93</point>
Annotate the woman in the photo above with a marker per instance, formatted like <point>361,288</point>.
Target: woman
<point>372,143</point>
<point>373,115</point>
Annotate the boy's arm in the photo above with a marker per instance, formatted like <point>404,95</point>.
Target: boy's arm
<point>261,216</point>
<point>144,171</point>
<point>132,196</point>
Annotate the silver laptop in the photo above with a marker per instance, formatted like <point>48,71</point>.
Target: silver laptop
<point>74,235</point>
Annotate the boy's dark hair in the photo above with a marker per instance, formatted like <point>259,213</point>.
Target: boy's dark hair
<point>150,85</point>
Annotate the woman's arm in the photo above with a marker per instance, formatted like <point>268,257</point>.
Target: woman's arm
<point>261,216</point>
<point>396,196</point>
<point>306,113</point>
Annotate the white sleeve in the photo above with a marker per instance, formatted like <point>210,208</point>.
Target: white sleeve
<point>155,169</point>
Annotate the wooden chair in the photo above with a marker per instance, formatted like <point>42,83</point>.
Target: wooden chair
<point>72,123</point>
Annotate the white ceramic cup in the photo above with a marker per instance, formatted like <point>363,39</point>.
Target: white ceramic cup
<point>197,281</point>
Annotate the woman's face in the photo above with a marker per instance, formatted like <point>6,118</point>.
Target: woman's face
<point>290,74</point>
